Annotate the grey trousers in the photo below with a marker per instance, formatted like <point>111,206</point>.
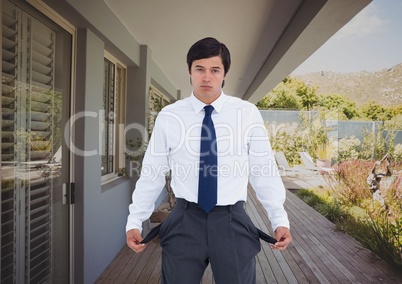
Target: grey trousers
<point>191,239</point>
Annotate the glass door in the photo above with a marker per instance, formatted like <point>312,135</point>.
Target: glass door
<point>35,96</point>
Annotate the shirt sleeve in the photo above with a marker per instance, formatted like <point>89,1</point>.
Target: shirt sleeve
<point>264,174</point>
<point>152,180</point>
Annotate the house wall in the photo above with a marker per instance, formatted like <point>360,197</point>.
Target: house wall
<point>99,213</point>
<point>101,209</point>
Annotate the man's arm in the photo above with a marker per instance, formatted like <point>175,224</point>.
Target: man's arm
<point>155,166</point>
<point>266,181</point>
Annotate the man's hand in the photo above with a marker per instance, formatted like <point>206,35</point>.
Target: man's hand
<point>133,239</point>
<point>283,237</point>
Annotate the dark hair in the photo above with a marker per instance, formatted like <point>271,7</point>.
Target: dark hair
<point>208,47</point>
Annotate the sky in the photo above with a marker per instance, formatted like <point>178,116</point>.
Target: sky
<point>371,41</point>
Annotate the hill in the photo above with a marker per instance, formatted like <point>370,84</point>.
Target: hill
<point>384,86</point>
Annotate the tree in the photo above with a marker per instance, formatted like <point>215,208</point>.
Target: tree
<point>397,109</point>
<point>290,94</point>
<point>285,100</point>
<point>341,103</point>
<point>394,123</point>
<point>307,94</point>
<point>374,111</point>
<point>283,96</point>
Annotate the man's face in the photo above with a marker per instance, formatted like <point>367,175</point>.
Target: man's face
<point>207,75</point>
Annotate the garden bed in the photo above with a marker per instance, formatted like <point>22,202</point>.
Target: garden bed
<point>348,202</point>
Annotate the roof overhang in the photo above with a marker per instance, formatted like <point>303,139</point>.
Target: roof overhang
<point>268,39</point>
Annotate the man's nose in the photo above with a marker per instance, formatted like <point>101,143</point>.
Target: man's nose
<point>206,77</point>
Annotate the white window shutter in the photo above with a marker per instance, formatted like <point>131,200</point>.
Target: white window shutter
<point>28,72</point>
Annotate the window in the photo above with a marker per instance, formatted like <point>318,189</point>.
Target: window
<point>112,147</point>
<point>36,61</point>
<point>157,100</point>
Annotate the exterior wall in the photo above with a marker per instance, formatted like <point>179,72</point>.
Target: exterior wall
<point>101,209</point>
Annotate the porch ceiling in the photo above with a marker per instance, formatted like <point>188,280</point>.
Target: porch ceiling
<point>268,39</point>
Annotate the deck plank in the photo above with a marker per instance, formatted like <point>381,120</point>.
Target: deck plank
<point>150,268</point>
<point>327,253</point>
<point>279,273</point>
<point>156,274</point>
<point>208,277</point>
<point>110,274</point>
<point>332,240</point>
<point>131,275</point>
<point>291,256</point>
<point>318,254</point>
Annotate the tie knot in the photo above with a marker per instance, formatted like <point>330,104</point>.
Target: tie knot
<point>208,110</point>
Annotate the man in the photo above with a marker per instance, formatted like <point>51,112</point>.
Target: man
<point>214,145</point>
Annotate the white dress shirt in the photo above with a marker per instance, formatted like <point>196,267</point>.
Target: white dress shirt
<point>244,155</point>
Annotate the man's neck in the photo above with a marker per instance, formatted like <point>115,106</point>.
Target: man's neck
<point>207,99</point>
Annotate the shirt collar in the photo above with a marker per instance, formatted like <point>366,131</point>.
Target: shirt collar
<point>217,104</point>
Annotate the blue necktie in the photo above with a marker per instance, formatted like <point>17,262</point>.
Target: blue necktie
<point>208,180</point>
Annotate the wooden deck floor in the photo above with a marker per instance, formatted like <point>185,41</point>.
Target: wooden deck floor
<point>318,254</point>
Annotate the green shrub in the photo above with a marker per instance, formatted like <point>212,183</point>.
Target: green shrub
<point>308,134</point>
<point>310,198</point>
<point>376,145</point>
<point>386,240</point>
<point>397,155</point>
<point>333,211</point>
<point>378,234</point>
<point>330,209</point>
<point>289,144</point>
<point>381,237</point>
<point>348,149</point>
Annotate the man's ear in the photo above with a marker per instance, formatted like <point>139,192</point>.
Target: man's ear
<point>189,72</point>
